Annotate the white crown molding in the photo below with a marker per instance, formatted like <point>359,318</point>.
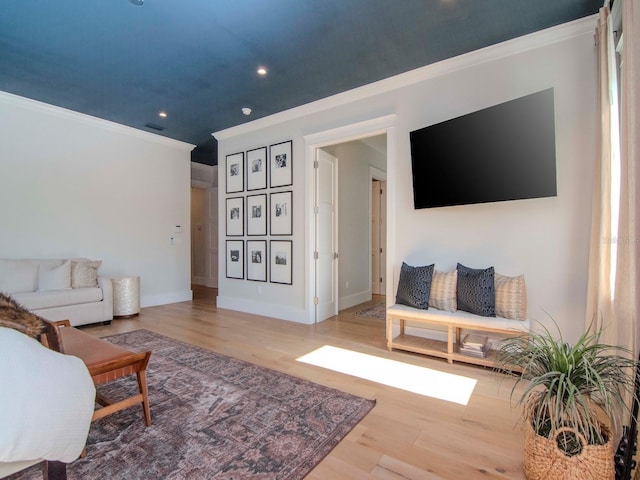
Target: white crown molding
<point>515,46</point>
<point>41,107</point>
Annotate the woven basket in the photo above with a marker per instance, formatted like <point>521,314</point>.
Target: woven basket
<point>543,460</point>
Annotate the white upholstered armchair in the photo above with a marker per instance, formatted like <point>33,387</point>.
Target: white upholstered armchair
<point>46,403</point>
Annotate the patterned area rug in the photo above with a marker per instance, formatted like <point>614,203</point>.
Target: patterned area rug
<point>378,310</point>
<point>214,417</point>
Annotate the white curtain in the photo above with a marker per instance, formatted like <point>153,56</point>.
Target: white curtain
<point>614,262</point>
<point>603,250</point>
<point>627,301</point>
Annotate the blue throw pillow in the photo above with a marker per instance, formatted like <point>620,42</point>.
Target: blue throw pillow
<point>414,286</point>
<point>476,291</point>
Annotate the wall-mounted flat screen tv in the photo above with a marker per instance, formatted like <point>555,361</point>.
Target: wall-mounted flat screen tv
<point>504,152</point>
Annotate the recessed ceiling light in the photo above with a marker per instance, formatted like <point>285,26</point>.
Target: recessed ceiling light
<point>262,71</point>
<point>163,114</point>
<point>246,111</point>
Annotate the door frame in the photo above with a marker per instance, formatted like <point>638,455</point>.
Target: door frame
<point>356,131</point>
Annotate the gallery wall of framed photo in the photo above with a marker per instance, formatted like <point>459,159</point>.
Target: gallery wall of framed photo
<point>259,214</point>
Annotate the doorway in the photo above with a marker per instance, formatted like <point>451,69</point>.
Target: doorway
<point>351,270</point>
<point>204,225</point>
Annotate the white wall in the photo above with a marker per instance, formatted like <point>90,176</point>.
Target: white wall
<point>546,239</point>
<point>73,185</point>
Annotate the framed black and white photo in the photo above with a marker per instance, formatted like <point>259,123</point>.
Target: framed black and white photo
<point>257,260</point>
<point>281,219</point>
<point>280,165</point>
<point>235,216</point>
<point>257,169</point>
<point>235,259</point>
<point>257,214</point>
<point>280,263</point>
<point>235,172</point>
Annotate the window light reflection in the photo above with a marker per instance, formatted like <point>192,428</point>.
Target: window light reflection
<point>420,380</point>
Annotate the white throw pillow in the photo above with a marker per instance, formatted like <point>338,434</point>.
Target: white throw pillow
<point>84,273</point>
<point>511,297</point>
<point>443,291</point>
<point>57,278</point>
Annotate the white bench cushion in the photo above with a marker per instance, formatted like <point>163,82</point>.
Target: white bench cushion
<point>459,317</point>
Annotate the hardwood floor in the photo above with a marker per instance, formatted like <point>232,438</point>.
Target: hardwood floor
<point>405,436</point>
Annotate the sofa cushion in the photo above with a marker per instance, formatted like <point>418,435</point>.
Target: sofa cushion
<point>58,298</point>
<point>21,275</point>
<point>511,297</point>
<point>56,278</point>
<point>84,273</point>
<point>18,275</point>
<point>443,291</point>
<point>476,290</point>
<point>414,286</point>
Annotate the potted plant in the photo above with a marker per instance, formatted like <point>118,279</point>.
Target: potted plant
<point>573,393</point>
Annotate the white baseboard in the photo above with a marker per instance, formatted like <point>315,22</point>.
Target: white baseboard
<point>282,312</point>
<point>165,298</point>
<point>354,299</point>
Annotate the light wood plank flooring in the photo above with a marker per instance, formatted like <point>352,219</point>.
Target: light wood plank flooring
<point>405,436</point>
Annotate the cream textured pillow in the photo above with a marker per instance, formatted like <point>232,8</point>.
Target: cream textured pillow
<point>84,273</point>
<point>511,297</point>
<point>56,278</point>
<point>443,291</point>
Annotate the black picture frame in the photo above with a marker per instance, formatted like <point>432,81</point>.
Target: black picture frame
<point>256,169</point>
<point>234,171</point>
<point>235,259</point>
<point>257,214</point>
<point>256,257</point>
<point>281,213</point>
<point>281,164</point>
<point>281,256</point>
<point>234,217</point>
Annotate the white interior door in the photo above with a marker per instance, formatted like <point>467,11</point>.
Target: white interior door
<point>378,237</point>
<point>382,233</point>
<point>326,241</point>
<point>375,237</point>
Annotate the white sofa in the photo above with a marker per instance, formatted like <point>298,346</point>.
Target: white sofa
<point>59,289</point>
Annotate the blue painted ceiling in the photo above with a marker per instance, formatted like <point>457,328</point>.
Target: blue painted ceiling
<point>197,59</point>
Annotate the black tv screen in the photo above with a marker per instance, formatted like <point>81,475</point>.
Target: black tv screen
<point>504,152</point>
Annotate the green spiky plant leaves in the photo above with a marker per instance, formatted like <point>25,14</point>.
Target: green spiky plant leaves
<point>569,385</point>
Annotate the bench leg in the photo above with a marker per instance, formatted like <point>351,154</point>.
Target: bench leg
<point>450,343</point>
<point>142,384</point>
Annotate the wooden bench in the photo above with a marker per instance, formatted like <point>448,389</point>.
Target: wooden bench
<point>107,362</point>
<point>453,323</point>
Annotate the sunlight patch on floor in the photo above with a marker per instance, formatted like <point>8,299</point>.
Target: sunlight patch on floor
<point>420,380</point>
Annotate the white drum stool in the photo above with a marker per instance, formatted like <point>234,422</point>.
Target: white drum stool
<point>126,297</point>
